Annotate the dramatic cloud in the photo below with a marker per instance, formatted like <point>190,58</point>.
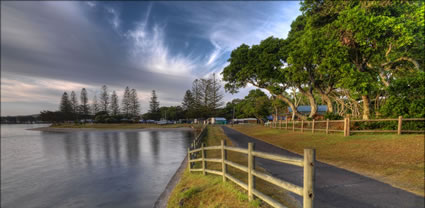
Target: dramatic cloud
<point>50,47</point>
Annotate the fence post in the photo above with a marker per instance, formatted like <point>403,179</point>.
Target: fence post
<point>327,126</point>
<point>309,178</point>
<point>223,157</point>
<point>203,159</point>
<point>348,126</point>
<point>286,123</point>
<point>345,126</point>
<point>188,158</point>
<point>293,125</point>
<point>302,126</point>
<point>312,127</point>
<point>400,120</point>
<point>251,181</point>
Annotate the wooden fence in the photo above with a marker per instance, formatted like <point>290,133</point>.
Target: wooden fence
<point>308,163</point>
<point>346,124</point>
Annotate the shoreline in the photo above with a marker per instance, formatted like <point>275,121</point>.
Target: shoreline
<point>162,200</point>
<point>68,130</point>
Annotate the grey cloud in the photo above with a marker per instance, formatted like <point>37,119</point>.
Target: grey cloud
<point>66,45</point>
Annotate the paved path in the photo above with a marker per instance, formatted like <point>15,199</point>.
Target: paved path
<point>335,187</point>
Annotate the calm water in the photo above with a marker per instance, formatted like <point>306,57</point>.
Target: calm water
<point>87,169</point>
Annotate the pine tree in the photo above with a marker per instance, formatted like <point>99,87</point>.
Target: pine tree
<point>154,103</point>
<point>125,106</point>
<point>188,104</point>
<point>84,102</point>
<point>74,104</point>
<point>134,103</point>
<point>206,93</point>
<point>115,110</point>
<point>188,100</point>
<point>95,107</point>
<point>65,105</point>
<point>216,96</point>
<point>197,94</point>
<point>104,99</point>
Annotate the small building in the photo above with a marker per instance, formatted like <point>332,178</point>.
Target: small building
<point>245,121</point>
<point>306,109</point>
<point>217,120</point>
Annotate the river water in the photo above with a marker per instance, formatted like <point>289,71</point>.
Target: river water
<point>87,169</point>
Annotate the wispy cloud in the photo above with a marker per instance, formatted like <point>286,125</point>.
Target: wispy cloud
<point>49,47</point>
<point>114,19</point>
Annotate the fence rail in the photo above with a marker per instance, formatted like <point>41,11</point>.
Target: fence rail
<point>308,163</point>
<point>346,124</point>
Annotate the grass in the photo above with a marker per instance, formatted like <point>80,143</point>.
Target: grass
<point>394,159</point>
<point>119,126</point>
<point>197,190</point>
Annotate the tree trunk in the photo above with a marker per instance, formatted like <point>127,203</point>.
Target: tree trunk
<point>292,106</point>
<point>261,120</point>
<point>366,107</point>
<point>311,100</point>
<point>326,99</point>
<point>313,105</point>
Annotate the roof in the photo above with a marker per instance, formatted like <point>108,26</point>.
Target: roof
<point>245,119</point>
<point>220,118</point>
<point>307,108</point>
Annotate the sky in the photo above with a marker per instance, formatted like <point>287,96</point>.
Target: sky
<point>49,47</point>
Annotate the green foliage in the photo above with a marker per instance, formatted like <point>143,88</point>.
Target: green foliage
<point>406,97</point>
<point>255,104</point>
<point>332,116</point>
<point>356,46</point>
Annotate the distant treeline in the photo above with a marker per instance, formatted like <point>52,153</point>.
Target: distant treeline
<point>20,119</point>
<point>106,108</point>
<point>203,101</point>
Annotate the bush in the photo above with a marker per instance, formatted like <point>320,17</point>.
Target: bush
<point>406,98</point>
<point>332,116</point>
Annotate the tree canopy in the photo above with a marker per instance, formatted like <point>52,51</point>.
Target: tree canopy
<point>347,52</point>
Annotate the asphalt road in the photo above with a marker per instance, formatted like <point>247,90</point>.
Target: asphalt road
<point>335,187</point>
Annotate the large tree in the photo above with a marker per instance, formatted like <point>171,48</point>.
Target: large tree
<point>84,102</point>
<point>215,94</point>
<point>154,103</point>
<point>65,104</point>
<point>379,39</point>
<point>261,66</point>
<point>188,104</point>
<point>74,104</point>
<point>95,105</point>
<point>134,103</point>
<point>126,102</point>
<point>256,104</point>
<point>104,99</point>
<point>115,109</point>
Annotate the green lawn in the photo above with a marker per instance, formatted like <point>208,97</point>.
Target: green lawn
<point>394,159</point>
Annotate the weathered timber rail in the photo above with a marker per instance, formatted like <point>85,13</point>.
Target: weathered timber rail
<point>346,124</point>
<point>196,143</point>
<point>308,163</point>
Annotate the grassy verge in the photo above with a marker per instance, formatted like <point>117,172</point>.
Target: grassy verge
<point>196,190</point>
<point>394,159</point>
<point>119,126</point>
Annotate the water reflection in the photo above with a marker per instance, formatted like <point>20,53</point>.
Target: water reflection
<point>154,144</point>
<point>132,141</point>
<point>89,169</point>
<point>87,151</point>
